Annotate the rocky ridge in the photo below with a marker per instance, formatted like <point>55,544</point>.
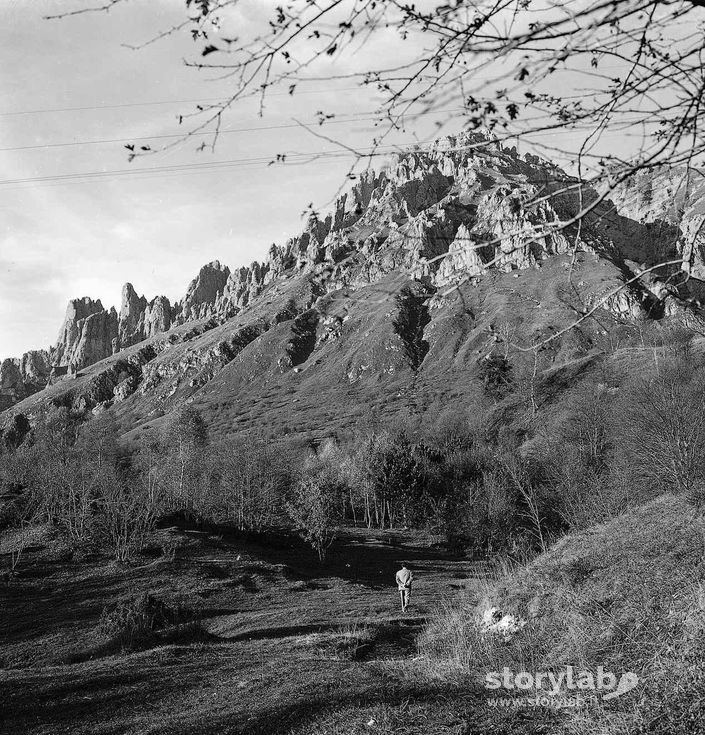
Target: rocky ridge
<point>20,378</point>
<point>673,197</point>
<point>446,215</point>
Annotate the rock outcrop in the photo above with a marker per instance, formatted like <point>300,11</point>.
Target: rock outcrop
<point>452,211</point>
<point>95,341</point>
<point>22,377</point>
<point>139,319</point>
<point>241,288</point>
<point>157,316</point>
<point>131,318</point>
<point>441,216</point>
<point>34,368</point>
<point>203,293</point>
<point>87,334</point>
<point>11,382</point>
<point>672,201</point>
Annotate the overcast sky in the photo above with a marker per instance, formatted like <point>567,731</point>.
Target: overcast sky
<point>66,239</point>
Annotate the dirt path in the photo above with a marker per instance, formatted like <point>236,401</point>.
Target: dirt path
<point>288,643</point>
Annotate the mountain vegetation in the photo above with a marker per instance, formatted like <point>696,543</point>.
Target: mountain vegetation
<point>383,380</point>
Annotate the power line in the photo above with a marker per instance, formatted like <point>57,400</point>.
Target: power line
<point>180,169</point>
<point>185,135</point>
<point>186,168</point>
<point>163,102</point>
<point>200,100</point>
<point>107,107</point>
<point>321,160</point>
<point>367,116</point>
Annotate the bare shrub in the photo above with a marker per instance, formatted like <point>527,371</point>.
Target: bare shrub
<point>134,621</point>
<point>662,429</point>
<point>248,480</point>
<point>127,518</point>
<point>183,462</point>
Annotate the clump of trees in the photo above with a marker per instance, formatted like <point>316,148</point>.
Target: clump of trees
<point>72,474</point>
<point>75,477</point>
<point>512,479</point>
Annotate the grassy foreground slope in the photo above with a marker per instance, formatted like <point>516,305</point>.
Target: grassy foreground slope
<point>627,595</point>
<point>267,640</point>
<point>281,645</point>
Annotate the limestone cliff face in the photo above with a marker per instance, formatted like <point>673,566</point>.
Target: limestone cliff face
<point>35,368</point>
<point>157,316</point>
<point>454,210</point>
<point>203,293</point>
<point>131,318</point>
<point>95,342</point>
<point>669,198</point>
<point>22,377</point>
<point>139,319</point>
<point>91,333</point>
<point>87,334</point>
<point>242,286</point>
<point>10,382</point>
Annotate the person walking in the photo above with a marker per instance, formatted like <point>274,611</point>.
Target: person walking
<point>404,579</point>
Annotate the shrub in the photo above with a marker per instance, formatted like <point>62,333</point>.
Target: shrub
<point>496,375</point>
<point>133,621</point>
<point>663,430</point>
<point>353,639</point>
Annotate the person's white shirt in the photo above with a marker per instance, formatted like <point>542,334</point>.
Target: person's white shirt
<point>404,578</point>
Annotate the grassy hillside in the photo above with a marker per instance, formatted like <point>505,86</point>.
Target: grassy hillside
<point>628,595</point>
<point>260,371</point>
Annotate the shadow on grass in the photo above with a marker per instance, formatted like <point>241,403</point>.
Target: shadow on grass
<point>346,705</point>
<point>33,612</point>
<point>186,633</point>
<point>90,693</point>
<point>390,632</point>
<point>352,557</point>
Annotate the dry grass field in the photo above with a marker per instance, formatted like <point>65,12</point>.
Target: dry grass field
<point>267,640</point>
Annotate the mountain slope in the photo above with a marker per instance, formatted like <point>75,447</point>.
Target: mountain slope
<point>388,304</point>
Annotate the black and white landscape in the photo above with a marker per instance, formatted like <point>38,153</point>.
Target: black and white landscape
<point>352,285</point>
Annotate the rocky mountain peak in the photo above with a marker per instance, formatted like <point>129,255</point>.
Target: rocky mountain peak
<point>441,215</point>
<point>131,318</point>
<point>140,319</point>
<point>203,292</point>
<point>86,334</point>
<point>20,378</point>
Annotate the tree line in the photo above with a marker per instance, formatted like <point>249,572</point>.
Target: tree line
<point>508,472</point>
